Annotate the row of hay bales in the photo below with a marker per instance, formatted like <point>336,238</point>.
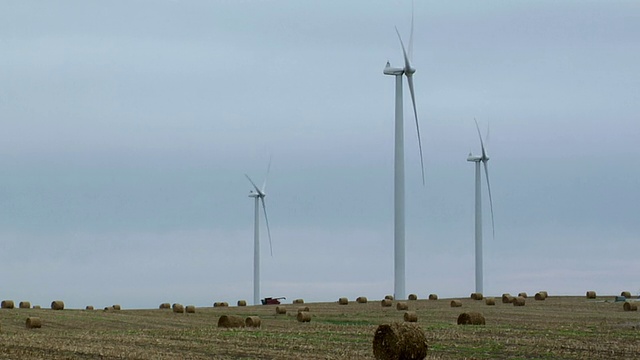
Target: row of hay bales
<point>592,294</point>
<point>9,304</point>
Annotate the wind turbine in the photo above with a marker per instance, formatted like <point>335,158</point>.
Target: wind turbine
<point>481,159</point>
<point>399,207</point>
<point>258,195</point>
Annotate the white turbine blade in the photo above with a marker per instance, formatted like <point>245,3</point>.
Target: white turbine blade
<point>484,155</point>
<point>411,34</point>
<point>254,185</point>
<point>415,113</point>
<point>407,64</point>
<point>486,172</point>
<point>266,220</point>
<point>264,184</point>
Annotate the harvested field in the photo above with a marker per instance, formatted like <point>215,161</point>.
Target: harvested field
<point>557,328</point>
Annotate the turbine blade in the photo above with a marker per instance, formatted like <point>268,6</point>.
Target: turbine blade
<point>266,220</point>
<point>411,34</point>
<point>415,113</point>
<point>264,184</point>
<point>484,154</point>
<point>407,64</point>
<point>254,185</point>
<point>486,172</point>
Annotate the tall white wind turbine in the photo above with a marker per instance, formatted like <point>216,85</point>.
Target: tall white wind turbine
<point>258,195</point>
<point>399,223</point>
<point>481,159</point>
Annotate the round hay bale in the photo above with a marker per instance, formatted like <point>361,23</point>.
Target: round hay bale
<point>397,341</point>
<point>24,305</point>
<point>413,297</point>
<point>626,294</point>
<point>178,308</point>
<point>433,296</point>
<point>545,294</point>
<point>231,321</point>
<point>456,303</point>
<point>220,304</point>
<point>7,304</point>
<point>386,303</point>
<point>88,307</point>
<point>471,318</point>
<point>630,306</point>
<point>108,308</point>
<point>410,316</point>
<point>33,323</point>
<point>303,309</point>
<point>116,307</point>
<point>507,298</point>
<point>298,301</point>
<point>591,294</point>
<point>523,294</point>
<point>281,310</point>
<point>361,300</point>
<point>539,296</point>
<point>216,304</point>
<point>57,305</point>
<point>477,296</point>
<point>164,306</point>
<point>252,321</point>
<point>303,316</point>
<point>389,297</point>
<point>343,301</point>
<point>490,301</point>
<point>519,301</point>
<point>401,305</point>
<point>242,302</point>
<point>190,309</point>
<point>37,307</point>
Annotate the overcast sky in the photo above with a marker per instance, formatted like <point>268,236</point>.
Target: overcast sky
<point>126,128</point>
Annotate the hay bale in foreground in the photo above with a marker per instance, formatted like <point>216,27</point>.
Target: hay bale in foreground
<point>253,321</point>
<point>88,307</point>
<point>178,308</point>
<point>33,323</point>
<point>399,341</point>
<point>57,305</point>
<point>476,296</point>
<point>630,306</point>
<point>523,294</point>
<point>389,297</point>
<point>231,321</point>
<point>281,310</point>
<point>471,318</point>
<point>519,301</point>
<point>7,304</point>
<point>303,316</point>
<point>410,316</point>
<point>544,293</point>
<point>490,301</point>
<point>242,302</point>
<point>433,296</point>
<point>343,301</point>
<point>413,297</point>
<point>401,305</point>
<point>24,305</point>
<point>456,303</point>
<point>298,301</point>
<point>626,294</point>
<point>190,309</point>
<point>386,303</point>
<point>591,294</point>
<point>361,300</point>
<point>539,296</point>
<point>507,298</point>
<point>164,306</point>
<point>303,309</point>
<point>116,307</point>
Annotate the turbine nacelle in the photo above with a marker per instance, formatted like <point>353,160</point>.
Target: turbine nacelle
<point>388,70</point>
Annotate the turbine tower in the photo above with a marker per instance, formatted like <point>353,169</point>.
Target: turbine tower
<point>399,207</point>
<point>480,159</point>
<point>259,196</point>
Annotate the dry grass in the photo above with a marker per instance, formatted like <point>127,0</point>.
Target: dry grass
<point>557,328</point>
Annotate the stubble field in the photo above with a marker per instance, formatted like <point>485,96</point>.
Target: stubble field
<point>556,328</point>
